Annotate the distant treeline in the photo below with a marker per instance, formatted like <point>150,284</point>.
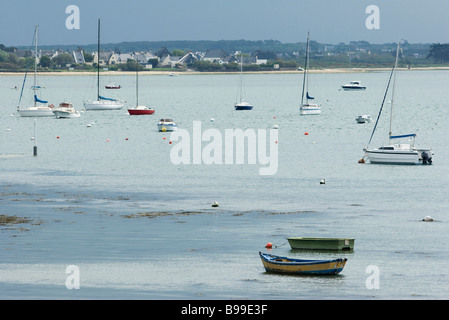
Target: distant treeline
<point>285,55</point>
<point>246,46</point>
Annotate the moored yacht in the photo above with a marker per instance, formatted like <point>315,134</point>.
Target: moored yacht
<point>166,125</point>
<point>38,109</point>
<point>400,153</point>
<point>306,107</point>
<point>364,118</point>
<point>353,85</point>
<point>66,110</point>
<point>102,103</point>
<point>396,152</point>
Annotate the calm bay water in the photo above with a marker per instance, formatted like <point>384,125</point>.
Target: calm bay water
<point>108,199</point>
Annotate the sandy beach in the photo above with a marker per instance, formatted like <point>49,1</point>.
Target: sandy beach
<point>121,73</point>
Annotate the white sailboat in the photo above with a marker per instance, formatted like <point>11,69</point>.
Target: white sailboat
<point>242,105</point>
<point>39,109</point>
<point>396,152</point>
<point>307,107</point>
<point>102,103</point>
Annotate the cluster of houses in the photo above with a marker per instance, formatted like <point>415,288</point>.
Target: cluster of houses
<point>147,59</point>
<point>166,60</point>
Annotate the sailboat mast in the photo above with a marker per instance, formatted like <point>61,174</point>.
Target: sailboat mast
<point>305,69</point>
<point>137,82</point>
<point>241,77</point>
<point>35,63</point>
<point>392,91</point>
<point>98,62</point>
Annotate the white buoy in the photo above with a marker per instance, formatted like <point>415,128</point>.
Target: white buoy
<point>212,120</point>
<point>427,218</point>
<point>275,126</point>
<point>323,181</point>
<point>215,204</point>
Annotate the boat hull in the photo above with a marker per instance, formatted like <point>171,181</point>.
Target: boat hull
<point>140,111</point>
<point>286,265</point>
<point>309,109</point>
<point>393,157</point>
<point>352,88</point>
<point>243,106</point>
<point>166,127</point>
<point>344,244</point>
<point>36,112</point>
<point>66,114</point>
<point>103,105</point>
<point>363,119</point>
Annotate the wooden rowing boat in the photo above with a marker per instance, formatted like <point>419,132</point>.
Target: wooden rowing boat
<point>278,264</point>
<point>321,243</point>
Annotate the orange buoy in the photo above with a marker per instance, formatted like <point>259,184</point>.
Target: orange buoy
<point>306,133</point>
<point>269,245</point>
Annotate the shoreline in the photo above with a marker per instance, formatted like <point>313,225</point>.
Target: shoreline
<point>122,73</point>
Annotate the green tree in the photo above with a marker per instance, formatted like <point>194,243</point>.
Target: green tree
<point>88,57</point>
<point>45,62</point>
<point>27,62</point>
<point>178,53</point>
<point>439,53</point>
<point>4,56</point>
<point>130,65</point>
<point>62,59</point>
<point>153,62</point>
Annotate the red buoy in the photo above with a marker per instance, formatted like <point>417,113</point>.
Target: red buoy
<point>269,245</point>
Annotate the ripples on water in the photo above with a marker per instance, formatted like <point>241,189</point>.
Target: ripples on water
<point>108,199</point>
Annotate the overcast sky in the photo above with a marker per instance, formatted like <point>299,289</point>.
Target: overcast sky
<point>329,21</point>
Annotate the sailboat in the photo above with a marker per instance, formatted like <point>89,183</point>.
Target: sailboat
<point>139,110</point>
<point>396,152</point>
<point>39,109</point>
<point>242,105</point>
<point>102,103</point>
<point>307,108</point>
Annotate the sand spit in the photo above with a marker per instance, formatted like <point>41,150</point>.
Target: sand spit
<point>122,73</point>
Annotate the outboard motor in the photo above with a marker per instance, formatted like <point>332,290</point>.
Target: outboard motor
<point>426,159</point>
